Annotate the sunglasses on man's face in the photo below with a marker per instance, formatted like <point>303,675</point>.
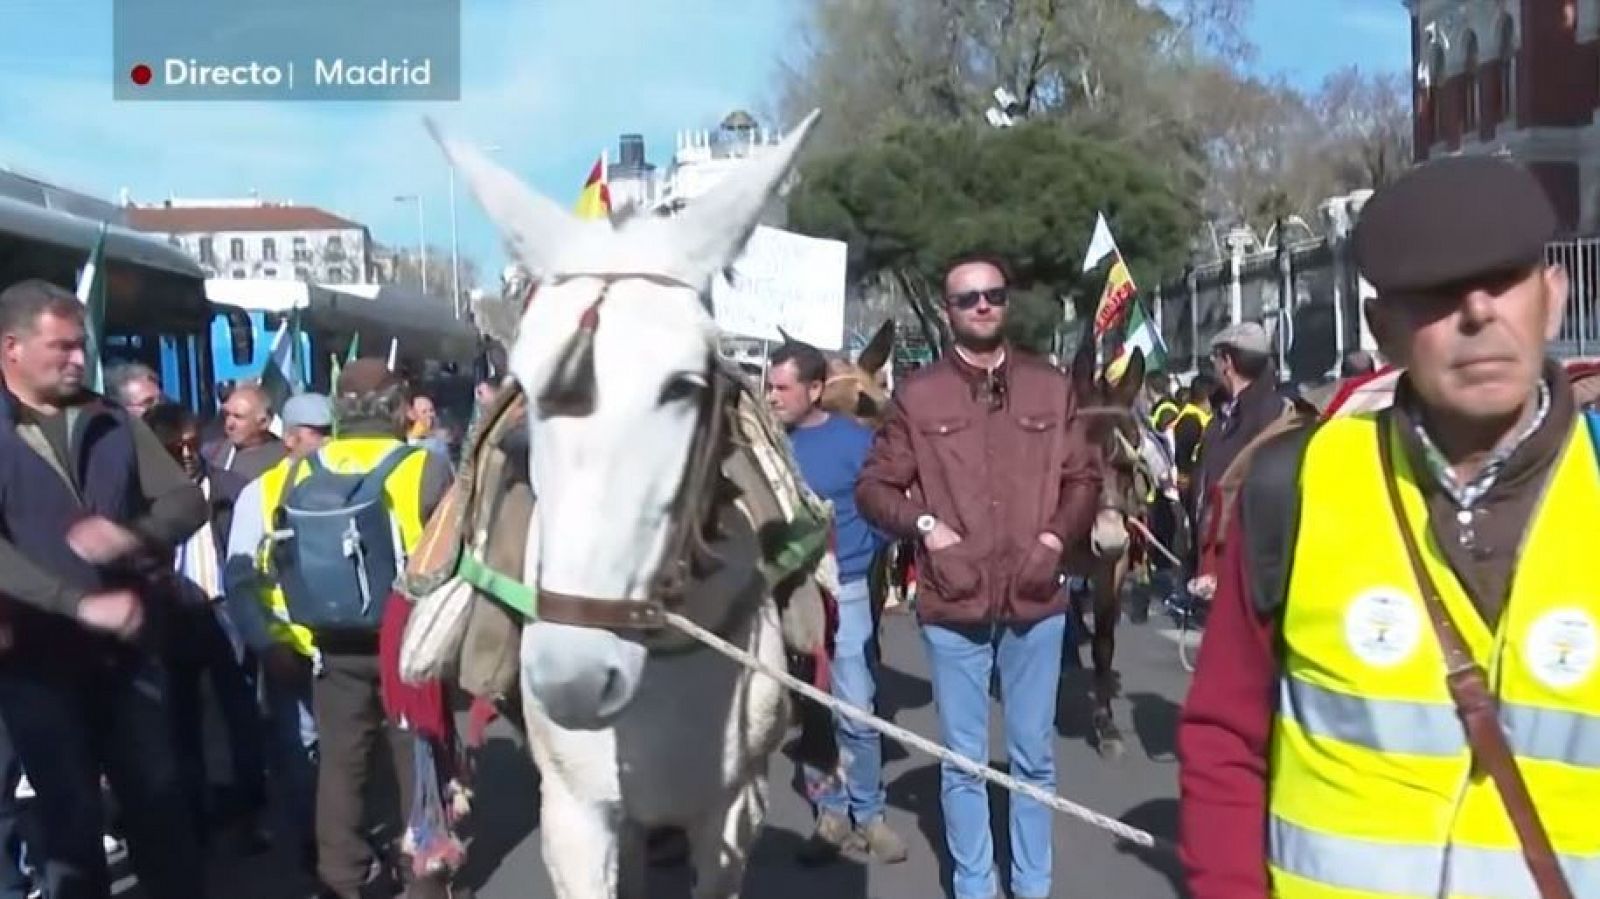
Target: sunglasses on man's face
<point>995,296</point>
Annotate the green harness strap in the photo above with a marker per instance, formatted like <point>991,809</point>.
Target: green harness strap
<point>506,590</point>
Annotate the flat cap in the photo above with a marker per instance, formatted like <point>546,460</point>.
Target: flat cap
<point>308,410</point>
<point>1452,220</point>
<point>1247,337</point>
<point>366,376</point>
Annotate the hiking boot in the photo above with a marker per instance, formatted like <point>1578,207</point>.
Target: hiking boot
<point>882,843</point>
<point>833,836</point>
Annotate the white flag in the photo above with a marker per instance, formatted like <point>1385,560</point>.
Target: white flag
<point>394,351</point>
<point>1101,245</point>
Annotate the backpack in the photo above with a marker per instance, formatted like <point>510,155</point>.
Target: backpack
<point>341,549</point>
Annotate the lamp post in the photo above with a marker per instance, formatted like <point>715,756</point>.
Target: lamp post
<point>455,243</point>
<point>422,238</point>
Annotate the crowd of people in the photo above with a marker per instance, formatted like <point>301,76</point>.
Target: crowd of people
<point>1398,624</point>
<point>148,568</point>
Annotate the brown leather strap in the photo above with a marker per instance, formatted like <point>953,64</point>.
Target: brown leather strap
<point>585,611</point>
<point>1475,703</point>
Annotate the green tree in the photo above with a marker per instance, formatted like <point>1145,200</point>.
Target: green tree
<point>924,194</point>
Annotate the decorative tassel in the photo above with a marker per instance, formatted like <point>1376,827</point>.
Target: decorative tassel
<point>572,389</point>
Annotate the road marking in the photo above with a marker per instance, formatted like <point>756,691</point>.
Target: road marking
<point>1191,637</point>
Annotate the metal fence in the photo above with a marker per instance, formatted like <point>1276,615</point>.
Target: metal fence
<point>1309,296</point>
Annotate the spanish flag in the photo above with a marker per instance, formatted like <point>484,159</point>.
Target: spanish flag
<point>595,201</point>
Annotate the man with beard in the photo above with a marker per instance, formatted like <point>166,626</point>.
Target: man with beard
<point>980,461</point>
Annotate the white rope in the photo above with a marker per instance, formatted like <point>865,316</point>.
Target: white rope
<point>1131,834</point>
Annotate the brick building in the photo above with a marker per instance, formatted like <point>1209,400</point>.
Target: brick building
<point>1514,76</point>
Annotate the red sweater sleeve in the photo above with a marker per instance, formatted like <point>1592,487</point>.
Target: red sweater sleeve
<point>1223,736</point>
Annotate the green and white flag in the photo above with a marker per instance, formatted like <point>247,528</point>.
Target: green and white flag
<point>92,294</point>
<point>1142,334</point>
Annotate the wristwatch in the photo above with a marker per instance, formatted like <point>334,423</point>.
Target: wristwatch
<point>926,524</point>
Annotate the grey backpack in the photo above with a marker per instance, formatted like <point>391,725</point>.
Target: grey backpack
<point>337,550</point>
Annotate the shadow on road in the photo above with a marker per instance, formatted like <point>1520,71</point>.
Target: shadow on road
<point>1160,818</point>
<point>898,692</point>
<point>504,815</point>
<point>773,874</point>
<point>1075,704</point>
<point>1155,720</point>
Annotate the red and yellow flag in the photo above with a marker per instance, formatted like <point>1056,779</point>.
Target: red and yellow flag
<point>1114,299</point>
<point>595,201</point>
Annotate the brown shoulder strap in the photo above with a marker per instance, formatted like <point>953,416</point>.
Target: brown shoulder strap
<point>1475,704</point>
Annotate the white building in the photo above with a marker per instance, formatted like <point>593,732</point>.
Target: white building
<point>701,159</point>
<point>253,238</point>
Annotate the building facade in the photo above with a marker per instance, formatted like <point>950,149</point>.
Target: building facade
<point>1514,76</point>
<point>263,240</point>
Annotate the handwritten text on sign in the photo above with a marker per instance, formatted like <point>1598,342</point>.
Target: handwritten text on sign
<point>784,280</point>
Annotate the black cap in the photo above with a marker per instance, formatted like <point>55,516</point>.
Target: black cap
<point>1452,220</point>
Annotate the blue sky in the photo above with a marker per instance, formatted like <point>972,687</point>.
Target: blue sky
<point>548,81</point>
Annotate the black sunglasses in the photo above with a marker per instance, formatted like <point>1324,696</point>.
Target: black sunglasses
<point>996,296</point>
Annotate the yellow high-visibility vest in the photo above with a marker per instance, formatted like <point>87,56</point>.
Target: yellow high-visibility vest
<point>402,493</point>
<point>1372,791</point>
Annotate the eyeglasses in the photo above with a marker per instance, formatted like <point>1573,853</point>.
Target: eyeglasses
<point>996,296</point>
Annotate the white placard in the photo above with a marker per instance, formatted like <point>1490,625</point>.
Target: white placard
<point>788,281</point>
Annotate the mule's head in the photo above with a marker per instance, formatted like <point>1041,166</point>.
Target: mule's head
<point>1111,422</point>
<point>858,389</point>
<point>615,352</point>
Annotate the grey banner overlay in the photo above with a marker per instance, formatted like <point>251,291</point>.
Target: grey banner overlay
<point>287,49</point>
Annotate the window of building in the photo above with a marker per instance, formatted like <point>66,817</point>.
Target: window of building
<point>1471,87</point>
<point>238,273</point>
<point>335,276</point>
<point>1508,69</point>
<point>302,253</point>
<point>269,272</point>
<point>301,273</point>
<point>208,255</point>
<point>236,250</point>
<point>335,247</point>
<point>269,249</point>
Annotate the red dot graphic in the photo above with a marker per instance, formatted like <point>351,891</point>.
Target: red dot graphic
<point>141,74</point>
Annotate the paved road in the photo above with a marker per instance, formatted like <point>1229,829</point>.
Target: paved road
<point>1140,790</point>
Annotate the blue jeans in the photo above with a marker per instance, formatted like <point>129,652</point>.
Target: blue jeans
<point>293,736</point>
<point>861,796</point>
<point>961,659</point>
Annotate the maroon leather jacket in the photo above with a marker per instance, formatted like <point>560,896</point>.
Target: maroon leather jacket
<point>998,477</point>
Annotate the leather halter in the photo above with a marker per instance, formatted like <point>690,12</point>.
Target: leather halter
<point>694,520</point>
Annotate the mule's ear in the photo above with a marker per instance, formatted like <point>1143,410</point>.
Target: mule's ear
<point>1127,389</point>
<point>534,226</point>
<point>709,233</point>
<point>878,349</point>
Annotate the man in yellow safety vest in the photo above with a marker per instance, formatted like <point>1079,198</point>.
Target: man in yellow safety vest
<point>1398,688</point>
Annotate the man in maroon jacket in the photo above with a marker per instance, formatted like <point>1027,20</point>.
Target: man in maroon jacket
<point>980,461</point>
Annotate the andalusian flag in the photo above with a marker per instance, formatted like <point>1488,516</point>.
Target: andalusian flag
<point>1143,334</point>
<point>595,201</point>
<point>92,294</point>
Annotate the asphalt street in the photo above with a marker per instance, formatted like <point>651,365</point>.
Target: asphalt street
<point>1140,789</point>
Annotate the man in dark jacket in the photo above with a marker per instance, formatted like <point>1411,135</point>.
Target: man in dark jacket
<point>1242,355</point>
<point>90,503</point>
<point>980,461</point>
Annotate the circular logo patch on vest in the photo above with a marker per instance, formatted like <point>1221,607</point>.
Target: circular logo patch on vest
<point>1383,627</point>
<point>1561,647</point>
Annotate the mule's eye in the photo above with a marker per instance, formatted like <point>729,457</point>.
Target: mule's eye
<point>683,388</point>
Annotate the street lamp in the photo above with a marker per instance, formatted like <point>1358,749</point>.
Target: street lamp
<point>455,244</point>
<point>422,238</point>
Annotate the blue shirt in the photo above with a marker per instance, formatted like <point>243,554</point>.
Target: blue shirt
<point>831,455</point>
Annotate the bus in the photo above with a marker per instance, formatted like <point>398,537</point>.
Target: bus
<point>156,308</point>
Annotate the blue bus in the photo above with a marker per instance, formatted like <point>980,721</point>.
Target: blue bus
<point>156,307</point>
